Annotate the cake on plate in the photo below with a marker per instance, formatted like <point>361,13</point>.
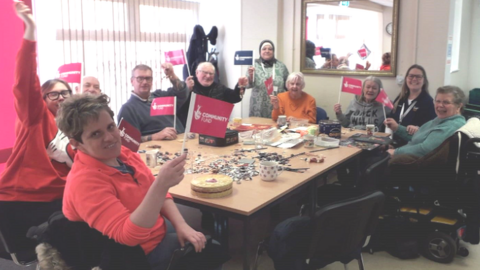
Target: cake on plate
<point>212,186</point>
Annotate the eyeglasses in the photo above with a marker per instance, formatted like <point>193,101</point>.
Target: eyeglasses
<point>207,73</point>
<point>56,94</point>
<point>444,102</point>
<point>140,79</point>
<point>418,77</point>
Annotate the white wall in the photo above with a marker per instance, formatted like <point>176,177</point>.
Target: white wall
<point>226,16</point>
<point>460,77</point>
<point>474,66</point>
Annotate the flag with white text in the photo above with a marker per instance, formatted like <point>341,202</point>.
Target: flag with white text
<point>71,73</point>
<point>351,85</point>
<point>208,116</point>
<point>383,98</point>
<point>175,57</point>
<point>163,106</point>
<point>243,58</point>
<point>131,137</point>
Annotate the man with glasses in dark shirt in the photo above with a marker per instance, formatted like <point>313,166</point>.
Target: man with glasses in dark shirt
<point>205,86</point>
<point>136,110</point>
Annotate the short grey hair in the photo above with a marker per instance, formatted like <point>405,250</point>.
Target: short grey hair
<point>294,75</point>
<point>76,111</point>
<point>459,97</point>
<point>203,64</point>
<point>374,79</point>
<point>141,67</point>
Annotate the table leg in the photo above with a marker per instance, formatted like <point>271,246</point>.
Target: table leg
<point>313,197</point>
<point>220,228</point>
<point>246,264</point>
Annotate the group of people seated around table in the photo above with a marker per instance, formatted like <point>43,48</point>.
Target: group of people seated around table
<point>68,154</point>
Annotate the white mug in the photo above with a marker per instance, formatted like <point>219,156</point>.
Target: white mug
<point>371,129</point>
<point>269,170</point>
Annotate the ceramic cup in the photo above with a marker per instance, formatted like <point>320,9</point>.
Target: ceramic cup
<point>269,170</point>
<point>371,129</point>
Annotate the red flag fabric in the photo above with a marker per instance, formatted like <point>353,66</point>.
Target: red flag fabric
<point>317,50</point>
<point>351,85</point>
<point>209,116</point>
<point>363,52</point>
<point>175,57</point>
<point>383,98</point>
<point>163,106</point>
<point>358,66</point>
<point>131,137</point>
<point>269,85</point>
<point>71,73</point>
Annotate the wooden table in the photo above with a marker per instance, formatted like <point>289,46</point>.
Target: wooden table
<point>249,197</point>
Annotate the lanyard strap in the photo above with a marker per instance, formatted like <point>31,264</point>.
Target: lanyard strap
<point>402,115</point>
<point>273,70</point>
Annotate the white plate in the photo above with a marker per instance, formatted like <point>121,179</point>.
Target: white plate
<point>291,136</point>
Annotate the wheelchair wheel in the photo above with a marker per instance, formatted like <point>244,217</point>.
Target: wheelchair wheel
<point>440,247</point>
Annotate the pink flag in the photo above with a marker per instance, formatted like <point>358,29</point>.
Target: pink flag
<point>317,50</point>
<point>175,57</point>
<point>71,73</point>
<point>383,98</point>
<point>358,66</point>
<point>209,116</point>
<point>363,52</point>
<point>351,85</point>
<point>163,106</point>
<point>131,137</point>
<point>269,85</point>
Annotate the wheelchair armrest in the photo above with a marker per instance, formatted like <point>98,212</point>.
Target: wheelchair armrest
<point>376,165</point>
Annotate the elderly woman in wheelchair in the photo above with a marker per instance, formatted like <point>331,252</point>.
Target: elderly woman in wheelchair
<point>434,181</point>
<point>449,102</point>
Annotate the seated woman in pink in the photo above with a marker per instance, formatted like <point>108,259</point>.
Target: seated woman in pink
<point>111,189</point>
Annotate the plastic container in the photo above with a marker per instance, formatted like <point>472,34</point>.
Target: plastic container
<point>327,141</point>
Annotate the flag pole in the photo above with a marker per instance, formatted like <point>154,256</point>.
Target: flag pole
<point>253,65</point>
<point>384,114</point>
<point>191,107</point>
<point>186,61</point>
<point>340,93</point>
<point>175,113</point>
<point>81,78</point>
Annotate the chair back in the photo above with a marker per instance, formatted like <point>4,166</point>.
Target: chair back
<point>20,253</point>
<point>340,228</point>
<point>321,114</point>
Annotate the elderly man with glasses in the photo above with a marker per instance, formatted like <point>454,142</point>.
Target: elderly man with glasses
<point>136,110</point>
<point>206,86</point>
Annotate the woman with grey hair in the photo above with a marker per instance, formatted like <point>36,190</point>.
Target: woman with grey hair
<point>448,103</point>
<point>294,103</point>
<point>364,110</point>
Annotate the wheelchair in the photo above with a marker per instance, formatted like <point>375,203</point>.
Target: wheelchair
<point>436,198</point>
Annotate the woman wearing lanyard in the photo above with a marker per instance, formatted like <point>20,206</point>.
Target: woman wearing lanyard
<point>414,106</point>
<point>265,67</point>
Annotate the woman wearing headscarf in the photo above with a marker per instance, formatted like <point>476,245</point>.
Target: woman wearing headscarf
<point>267,66</point>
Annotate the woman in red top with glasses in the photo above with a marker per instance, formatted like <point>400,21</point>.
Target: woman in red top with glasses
<point>414,106</point>
<point>31,187</point>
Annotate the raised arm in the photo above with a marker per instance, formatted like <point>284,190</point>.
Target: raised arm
<point>29,102</point>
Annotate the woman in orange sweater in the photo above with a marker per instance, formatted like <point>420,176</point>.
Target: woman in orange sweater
<point>294,103</point>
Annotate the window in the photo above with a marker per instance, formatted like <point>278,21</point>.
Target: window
<point>110,37</point>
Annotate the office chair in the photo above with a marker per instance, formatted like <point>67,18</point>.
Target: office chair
<point>321,114</point>
<point>20,254</point>
<point>337,232</point>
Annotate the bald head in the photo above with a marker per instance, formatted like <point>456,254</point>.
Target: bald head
<point>90,85</point>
